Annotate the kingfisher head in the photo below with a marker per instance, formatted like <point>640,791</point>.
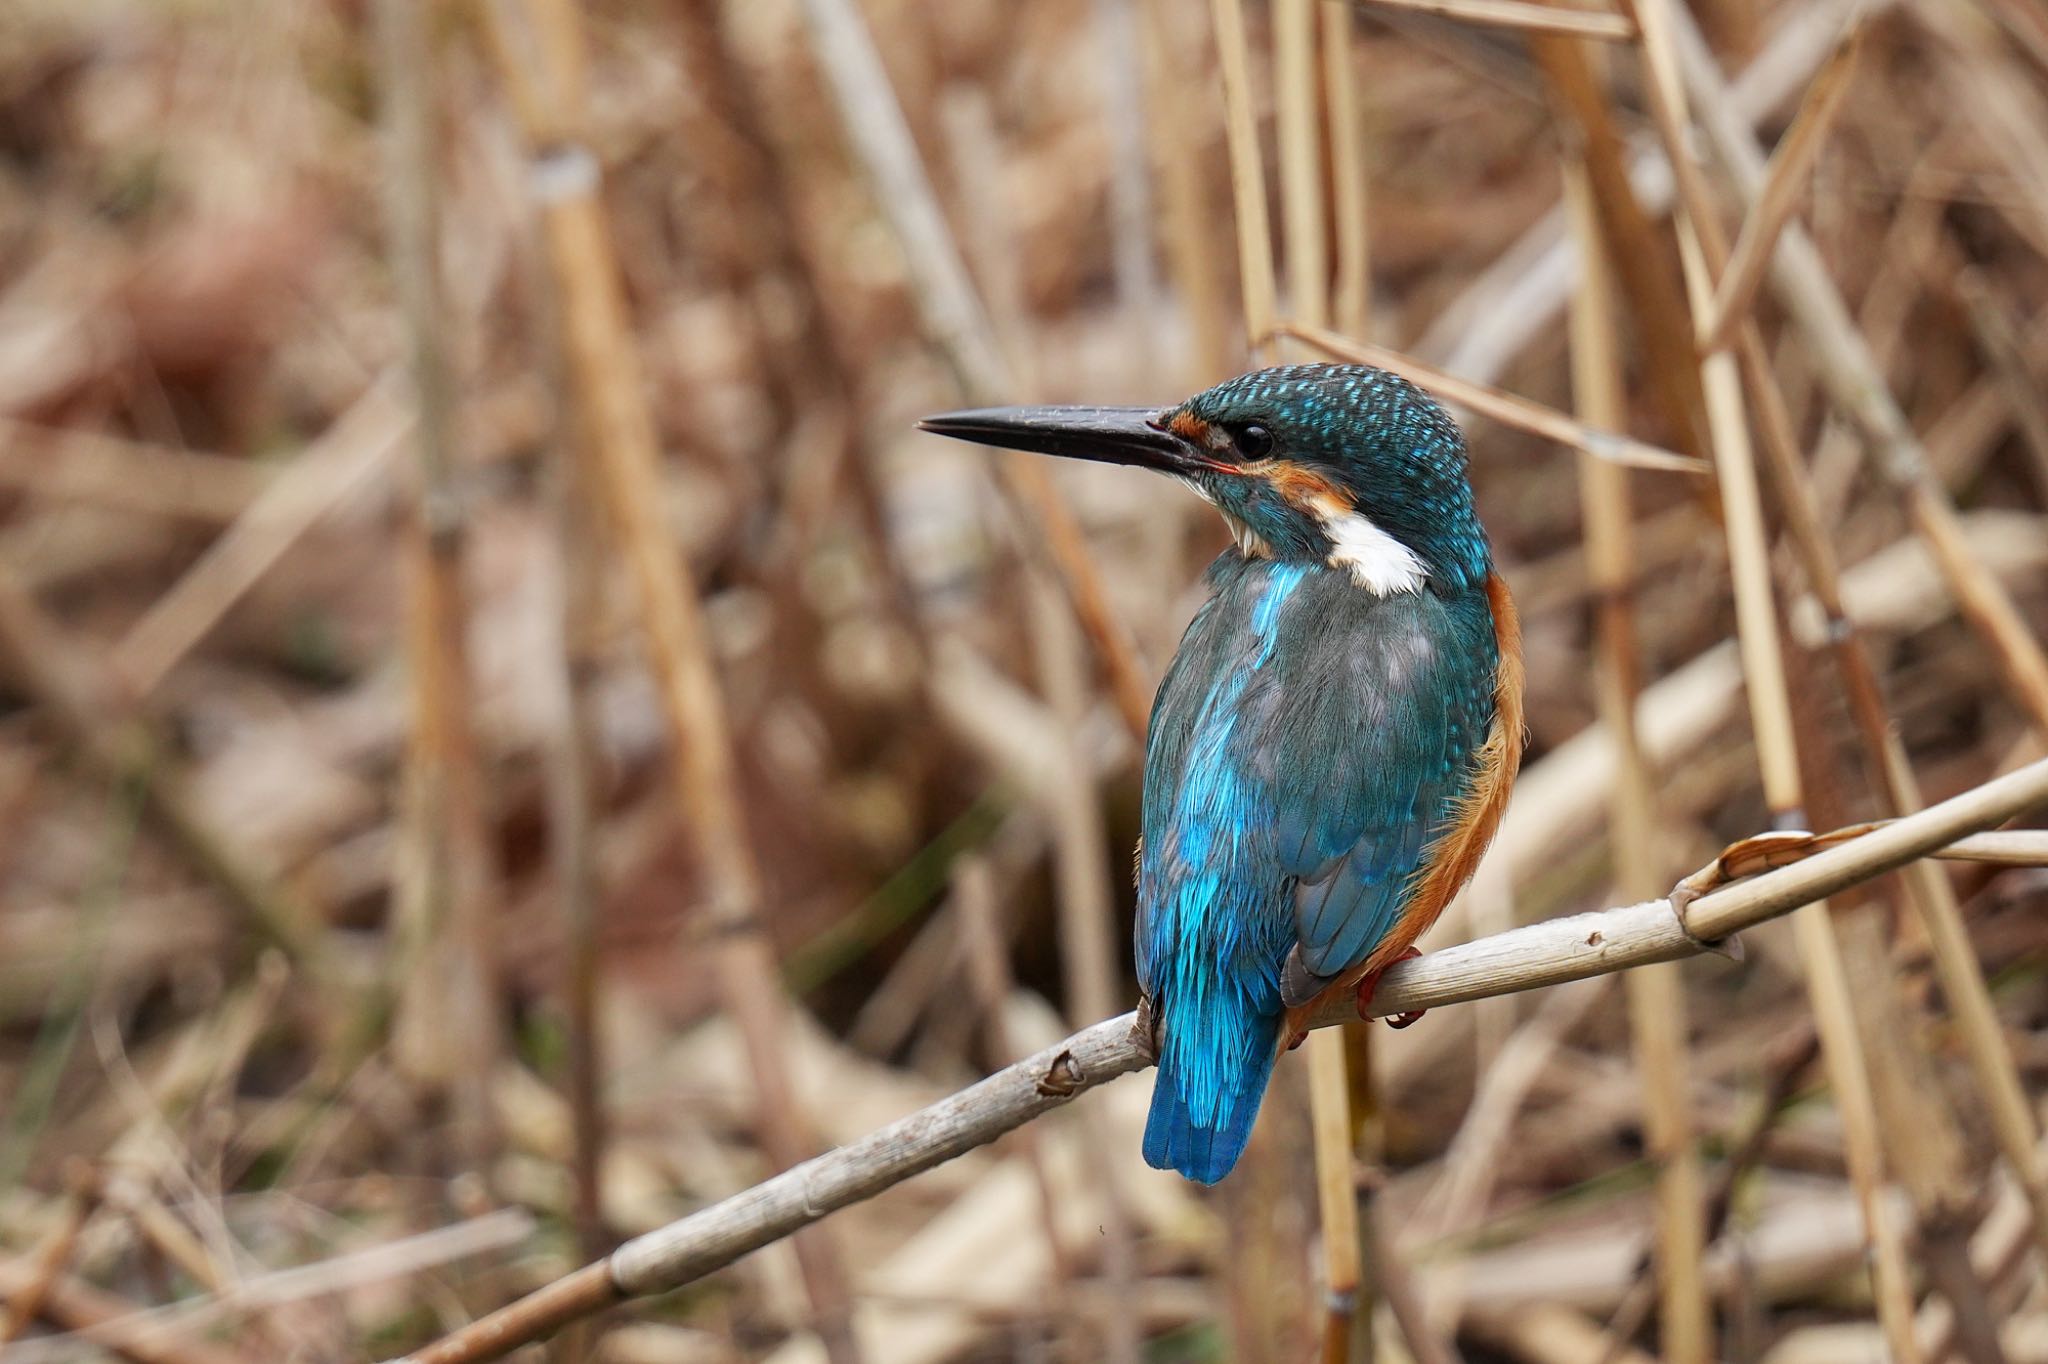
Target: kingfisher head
<point>1342,465</point>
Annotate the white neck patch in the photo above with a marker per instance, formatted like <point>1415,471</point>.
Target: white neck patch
<point>1378,562</point>
<point>1249,542</point>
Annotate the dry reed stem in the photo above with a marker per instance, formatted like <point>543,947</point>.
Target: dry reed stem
<point>618,438</point>
<point>2006,353</point>
<point>1506,408</point>
<point>446,1030</point>
<point>953,317</point>
<point>1641,257</point>
<point>1523,15</point>
<point>24,1301</point>
<point>1351,291</point>
<point>1550,952</point>
<point>985,948</point>
<point>161,480</point>
<point>1656,994</point>
<point>1852,376</point>
<point>1783,183</point>
<point>116,1324</point>
<point>1769,694</point>
<point>572,836</point>
<point>347,455</point>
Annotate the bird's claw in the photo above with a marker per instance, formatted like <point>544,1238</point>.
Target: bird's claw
<point>1370,982</point>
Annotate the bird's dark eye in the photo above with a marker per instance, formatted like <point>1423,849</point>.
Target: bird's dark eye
<point>1254,441</point>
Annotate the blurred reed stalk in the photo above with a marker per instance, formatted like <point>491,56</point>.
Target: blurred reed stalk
<point>1351,302</point>
<point>956,323</point>
<point>1858,386</point>
<point>1071,802</point>
<point>446,1032</point>
<point>542,65</point>
<point>1119,40</point>
<point>1640,256</point>
<point>1524,15</point>
<point>1308,282</point>
<point>573,805</point>
<point>1656,994</point>
<point>1351,290</point>
<point>1828,978</point>
<point>1182,120</point>
<point>1250,1258</point>
<point>985,946</point>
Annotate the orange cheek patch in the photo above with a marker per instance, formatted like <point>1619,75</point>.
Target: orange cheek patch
<point>1303,487</point>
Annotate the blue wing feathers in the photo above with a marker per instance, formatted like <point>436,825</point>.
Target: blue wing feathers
<point>1307,742</point>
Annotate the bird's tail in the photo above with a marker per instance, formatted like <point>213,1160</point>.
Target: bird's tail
<point>1212,1076</point>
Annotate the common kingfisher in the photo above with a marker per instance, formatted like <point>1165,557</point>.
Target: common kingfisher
<point>1332,747</point>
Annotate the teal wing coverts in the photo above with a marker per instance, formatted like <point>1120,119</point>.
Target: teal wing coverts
<point>1308,743</point>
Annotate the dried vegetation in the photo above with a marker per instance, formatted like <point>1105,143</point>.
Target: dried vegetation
<point>506,737</point>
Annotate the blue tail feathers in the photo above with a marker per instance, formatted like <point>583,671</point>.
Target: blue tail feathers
<point>1201,1133</point>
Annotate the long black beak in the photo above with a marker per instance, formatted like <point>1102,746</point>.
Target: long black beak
<point>1111,435</point>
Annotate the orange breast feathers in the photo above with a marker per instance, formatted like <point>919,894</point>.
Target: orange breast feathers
<point>1451,859</point>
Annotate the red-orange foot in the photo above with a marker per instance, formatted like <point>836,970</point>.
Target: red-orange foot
<point>1369,983</point>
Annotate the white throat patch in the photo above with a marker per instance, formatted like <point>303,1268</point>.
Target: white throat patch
<point>1378,562</point>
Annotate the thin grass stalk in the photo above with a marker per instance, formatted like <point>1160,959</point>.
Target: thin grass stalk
<point>447,1029</point>
<point>1495,404</point>
<point>1656,994</point>
<point>1548,952</point>
<point>1802,282</point>
<point>1783,183</point>
<point>1523,15</point>
<point>573,807</point>
<point>618,438</point>
<point>1770,705</point>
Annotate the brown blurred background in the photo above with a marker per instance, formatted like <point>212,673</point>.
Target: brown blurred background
<point>405,411</point>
